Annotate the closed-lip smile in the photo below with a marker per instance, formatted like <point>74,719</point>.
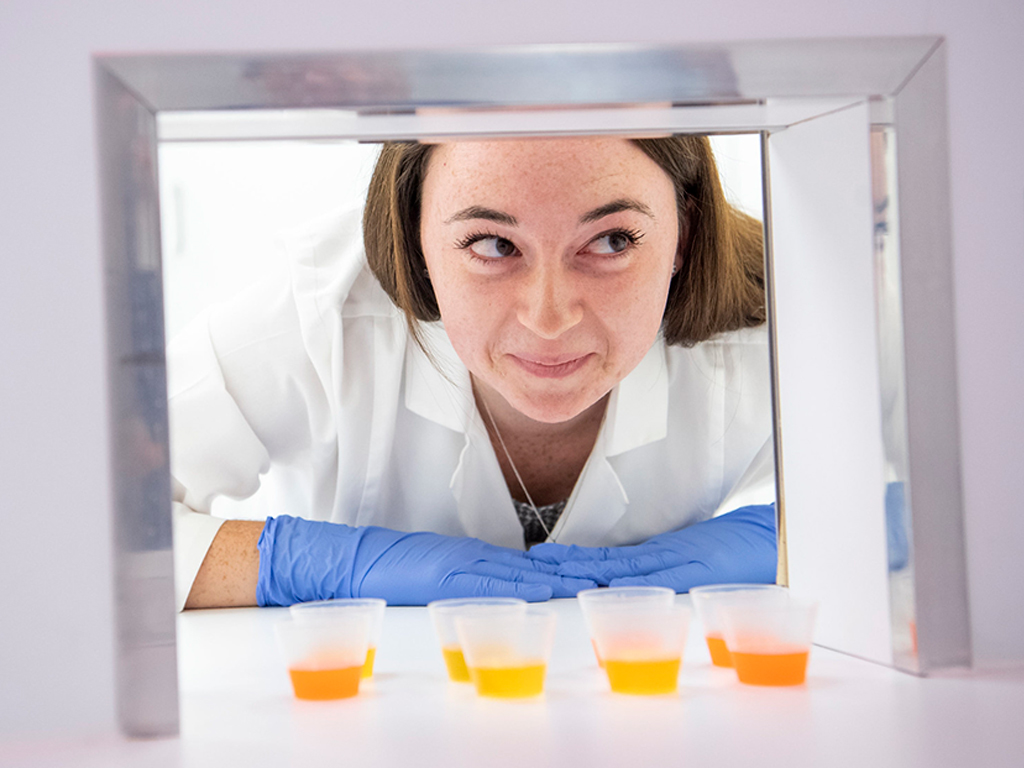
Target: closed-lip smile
<point>551,367</point>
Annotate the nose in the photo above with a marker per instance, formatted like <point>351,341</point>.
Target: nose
<point>550,302</point>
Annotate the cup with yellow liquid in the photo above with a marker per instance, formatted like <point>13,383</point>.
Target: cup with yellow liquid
<point>325,655</point>
<point>372,606</point>
<point>769,641</point>
<point>707,601</point>
<point>641,646</point>
<point>594,601</point>
<point>443,614</point>
<point>507,652</point>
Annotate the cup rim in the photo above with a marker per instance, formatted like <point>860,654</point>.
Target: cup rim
<point>711,589</point>
<point>374,603</point>
<point>451,604</point>
<point>612,593</point>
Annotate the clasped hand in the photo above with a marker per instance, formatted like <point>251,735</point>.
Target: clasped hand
<point>737,547</point>
<point>302,560</point>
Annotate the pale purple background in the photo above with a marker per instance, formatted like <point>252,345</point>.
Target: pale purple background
<point>54,518</point>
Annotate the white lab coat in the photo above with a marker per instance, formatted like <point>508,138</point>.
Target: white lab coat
<point>309,384</point>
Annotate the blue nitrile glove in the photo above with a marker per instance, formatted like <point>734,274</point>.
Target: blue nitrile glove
<point>896,526</point>
<point>738,547</point>
<point>302,560</point>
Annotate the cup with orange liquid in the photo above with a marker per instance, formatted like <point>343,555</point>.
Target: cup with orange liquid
<point>443,613</point>
<point>641,646</point>
<point>507,652</point>
<point>707,601</point>
<point>605,599</point>
<point>321,609</point>
<point>325,655</point>
<point>769,641</point>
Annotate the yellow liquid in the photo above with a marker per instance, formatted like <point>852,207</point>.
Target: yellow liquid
<point>323,684</point>
<point>371,654</point>
<point>720,655</point>
<point>509,682</point>
<point>771,668</point>
<point>456,663</point>
<point>643,677</point>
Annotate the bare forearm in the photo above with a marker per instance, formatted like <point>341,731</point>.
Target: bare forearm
<point>227,577</point>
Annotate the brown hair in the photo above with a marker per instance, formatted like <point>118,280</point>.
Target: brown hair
<point>720,286</point>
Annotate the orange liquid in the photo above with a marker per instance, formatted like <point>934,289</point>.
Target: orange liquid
<point>456,663</point>
<point>643,677</point>
<point>509,682</point>
<point>720,655</point>
<point>771,668</point>
<point>371,654</point>
<point>322,684</point>
<point>600,661</point>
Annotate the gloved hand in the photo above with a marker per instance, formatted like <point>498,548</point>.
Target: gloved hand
<point>737,547</point>
<point>302,560</point>
<point>896,526</point>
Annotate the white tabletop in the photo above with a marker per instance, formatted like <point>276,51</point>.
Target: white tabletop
<point>235,691</point>
<point>237,709</point>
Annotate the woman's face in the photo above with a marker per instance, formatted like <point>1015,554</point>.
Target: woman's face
<point>551,261</point>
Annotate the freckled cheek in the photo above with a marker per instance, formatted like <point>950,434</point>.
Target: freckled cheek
<point>471,321</point>
<point>631,318</point>
<point>633,306</point>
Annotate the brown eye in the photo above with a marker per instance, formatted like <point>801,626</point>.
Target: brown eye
<point>493,248</point>
<point>613,243</point>
<point>618,242</point>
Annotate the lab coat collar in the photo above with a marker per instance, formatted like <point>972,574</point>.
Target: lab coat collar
<point>438,387</point>
<point>638,408</point>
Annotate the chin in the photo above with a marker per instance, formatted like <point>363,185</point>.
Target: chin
<point>552,410</point>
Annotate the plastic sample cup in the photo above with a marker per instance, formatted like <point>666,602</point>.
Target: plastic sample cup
<point>373,606</point>
<point>770,640</point>
<point>325,656</point>
<point>443,613</point>
<point>708,599</point>
<point>641,646</point>
<point>593,601</point>
<point>507,652</point>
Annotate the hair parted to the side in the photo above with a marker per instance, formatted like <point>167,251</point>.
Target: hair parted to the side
<point>720,286</point>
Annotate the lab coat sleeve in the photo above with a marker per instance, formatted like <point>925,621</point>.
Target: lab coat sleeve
<point>194,532</point>
<point>214,449</point>
<point>756,485</point>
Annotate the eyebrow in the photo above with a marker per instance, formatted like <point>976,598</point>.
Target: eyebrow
<point>616,206</point>
<point>479,212</point>
<point>489,214</point>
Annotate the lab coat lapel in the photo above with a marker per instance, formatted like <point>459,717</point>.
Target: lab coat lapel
<point>484,504</point>
<point>597,503</point>
<point>438,388</point>
<point>637,415</point>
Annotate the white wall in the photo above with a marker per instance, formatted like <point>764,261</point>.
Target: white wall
<point>54,527</point>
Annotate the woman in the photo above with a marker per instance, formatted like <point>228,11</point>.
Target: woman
<point>550,340</point>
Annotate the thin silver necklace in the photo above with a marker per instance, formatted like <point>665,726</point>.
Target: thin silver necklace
<point>515,471</point>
